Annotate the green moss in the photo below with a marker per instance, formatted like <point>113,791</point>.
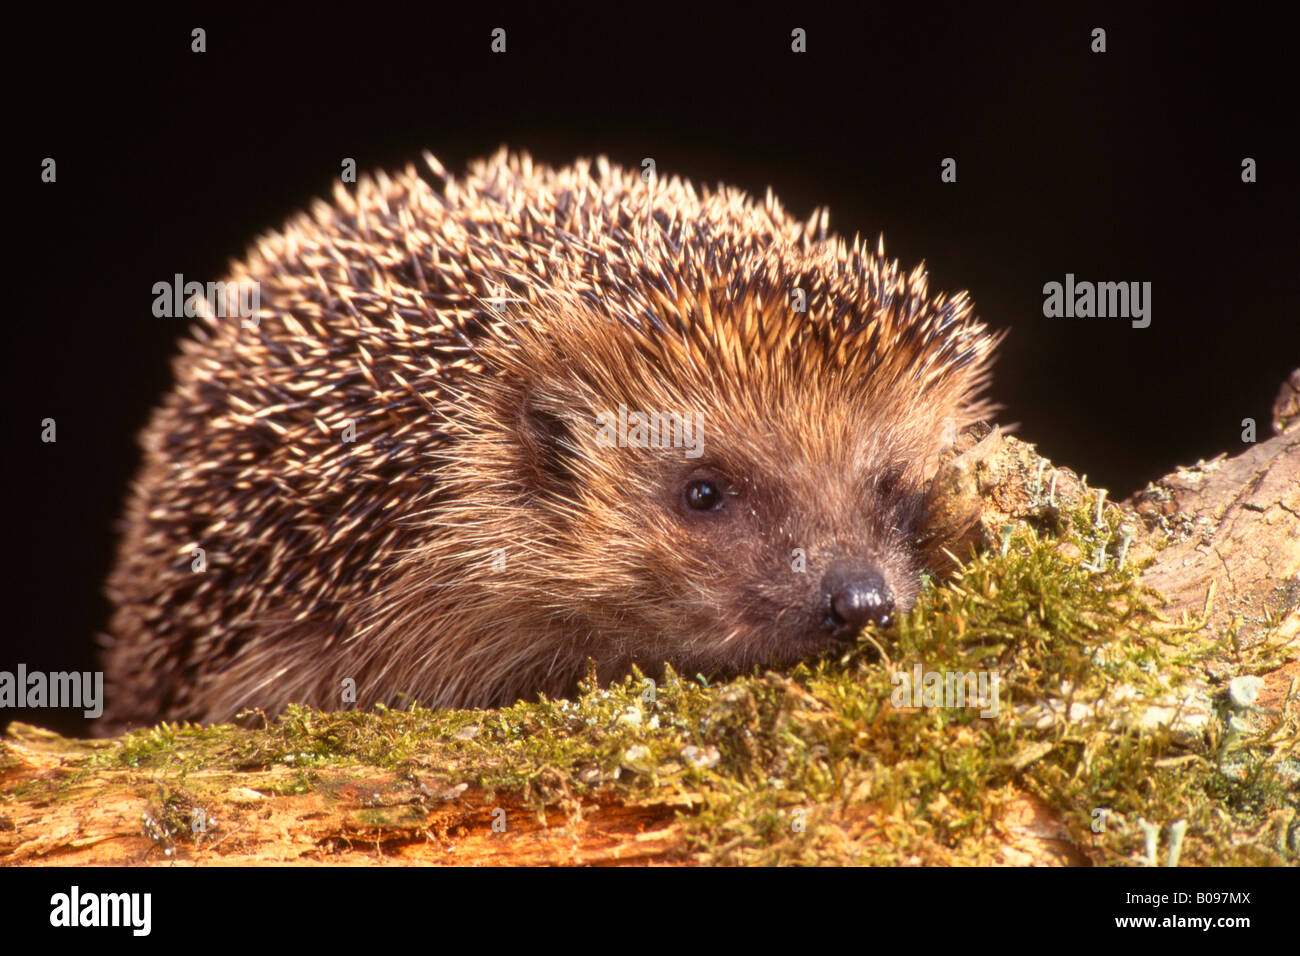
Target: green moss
<point>817,766</point>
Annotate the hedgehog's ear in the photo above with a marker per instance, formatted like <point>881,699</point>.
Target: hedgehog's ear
<point>547,439</point>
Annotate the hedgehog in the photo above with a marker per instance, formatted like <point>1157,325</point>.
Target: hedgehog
<point>488,434</point>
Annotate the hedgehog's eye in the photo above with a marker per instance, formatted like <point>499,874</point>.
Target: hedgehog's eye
<point>703,495</point>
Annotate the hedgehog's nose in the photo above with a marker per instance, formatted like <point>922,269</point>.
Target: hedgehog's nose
<point>854,595</point>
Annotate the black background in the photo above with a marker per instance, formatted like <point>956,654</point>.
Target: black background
<point>1121,167</point>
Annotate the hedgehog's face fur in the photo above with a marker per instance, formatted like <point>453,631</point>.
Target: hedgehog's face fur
<point>773,529</point>
<point>764,550</point>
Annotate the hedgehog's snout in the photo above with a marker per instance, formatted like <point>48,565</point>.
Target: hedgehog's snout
<point>855,594</point>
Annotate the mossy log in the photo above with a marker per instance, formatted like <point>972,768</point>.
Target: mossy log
<point>1149,644</point>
